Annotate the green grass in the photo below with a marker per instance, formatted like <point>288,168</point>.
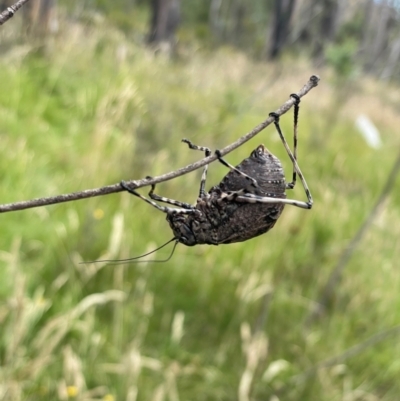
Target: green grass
<point>213,323</point>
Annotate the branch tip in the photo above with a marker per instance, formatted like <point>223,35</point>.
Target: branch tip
<point>315,79</point>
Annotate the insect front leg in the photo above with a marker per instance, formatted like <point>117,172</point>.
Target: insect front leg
<point>207,152</point>
<point>163,209</point>
<point>159,198</point>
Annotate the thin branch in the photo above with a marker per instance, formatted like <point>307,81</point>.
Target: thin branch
<point>336,274</point>
<point>9,13</point>
<point>349,353</point>
<point>89,193</point>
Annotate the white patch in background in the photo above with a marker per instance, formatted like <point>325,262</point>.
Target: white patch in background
<point>177,327</point>
<point>369,132</point>
<point>274,369</point>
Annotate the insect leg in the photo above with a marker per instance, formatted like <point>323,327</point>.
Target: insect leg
<point>225,163</point>
<point>244,196</point>
<point>207,152</point>
<point>230,195</point>
<point>167,200</point>
<point>291,185</point>
<point>163,209</point>
<point>250,198</point>
<point>294,160</point>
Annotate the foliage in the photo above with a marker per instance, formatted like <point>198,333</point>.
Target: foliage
<point>341,58</point>
<point>96,108</point>
<point>316,27</point>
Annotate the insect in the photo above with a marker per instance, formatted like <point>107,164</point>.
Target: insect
<point>246,203</point>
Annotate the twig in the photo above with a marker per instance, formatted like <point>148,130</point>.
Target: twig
<point>9,13</point>
<point>349,353</point>
<point>88,193</point>
<point>337,272</point>
<point>339,359</point>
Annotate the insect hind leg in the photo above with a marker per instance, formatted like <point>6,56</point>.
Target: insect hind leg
<point>245,197</point>
<point>251,198</point>
<point>207,152</point>
<point>291,185</point>
<point>293,156</point>
<point>296,119</point>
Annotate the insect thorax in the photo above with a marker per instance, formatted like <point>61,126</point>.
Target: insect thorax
<point>222,217</point>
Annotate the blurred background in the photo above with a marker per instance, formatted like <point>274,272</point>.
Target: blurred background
<point>97,91</point>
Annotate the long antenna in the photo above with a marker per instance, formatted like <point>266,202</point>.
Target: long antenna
<point>120,261</point>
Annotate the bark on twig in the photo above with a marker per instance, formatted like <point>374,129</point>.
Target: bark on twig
<point>88,193</point>
<point>10,11</point>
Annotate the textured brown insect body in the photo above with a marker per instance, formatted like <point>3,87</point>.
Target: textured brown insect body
<point>246,203</point>
<point>221,219</point>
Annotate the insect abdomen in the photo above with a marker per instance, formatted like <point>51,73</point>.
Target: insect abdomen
<point>237,221</point>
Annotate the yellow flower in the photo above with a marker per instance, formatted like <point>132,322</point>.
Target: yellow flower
<point>72,391</point>
<point>109,397</point>
<point>98,214</point>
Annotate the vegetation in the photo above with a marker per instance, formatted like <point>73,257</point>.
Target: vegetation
<point>213,323</point>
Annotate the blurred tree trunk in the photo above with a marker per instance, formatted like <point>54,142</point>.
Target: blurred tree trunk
<point>317,23</point>
<point>165,19</point>
<point>239,12</point>
<point>214,19</point>
<point>377,36</point>
<point>368,12</point>
<point>302,17</point>
<point>327,27</point>
<point>48,19</point>
<point>282,13</point>
<point>40,17</point>
<point>393,61</point>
